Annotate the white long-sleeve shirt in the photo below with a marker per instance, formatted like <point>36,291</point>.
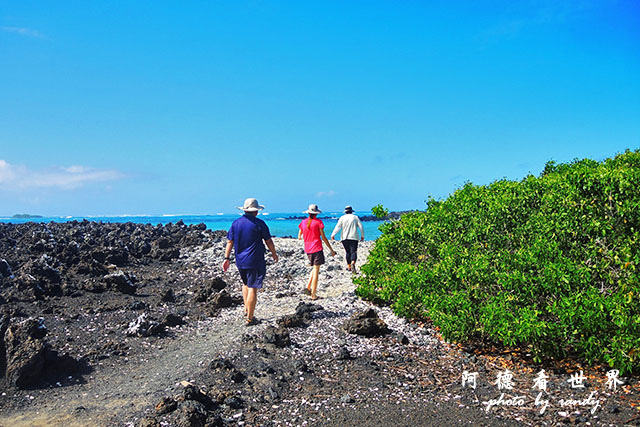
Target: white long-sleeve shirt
<point>349,223</point>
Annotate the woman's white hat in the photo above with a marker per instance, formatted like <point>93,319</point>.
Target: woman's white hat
<point>313,209</point>
<point>251,205</point>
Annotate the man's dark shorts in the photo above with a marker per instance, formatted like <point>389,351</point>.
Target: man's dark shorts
<point>253,277</point>
<point>316,258</point>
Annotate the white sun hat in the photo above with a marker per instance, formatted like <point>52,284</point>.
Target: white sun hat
<point>251,205</point>
<point>313,209</point>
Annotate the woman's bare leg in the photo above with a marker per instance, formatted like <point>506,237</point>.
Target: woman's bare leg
<point>310,279</point>
<point>315,273</point>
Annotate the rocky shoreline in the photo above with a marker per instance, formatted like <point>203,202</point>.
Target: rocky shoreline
<point>131,324</point>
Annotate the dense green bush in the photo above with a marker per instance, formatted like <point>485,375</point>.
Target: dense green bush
<point>379,211</point>
<point>549,263</point>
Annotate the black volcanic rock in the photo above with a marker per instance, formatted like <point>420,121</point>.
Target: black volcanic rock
<point>89,267</point>
<point>277,336</point>
<point>43,270</point>
<point>25,352</point>
<point>192,413</point>
<point>120,281</point>
<point>41,277</point>
<point>193,393</point>
<point>292,320</point>
<point>366,323</point>
<point>172,319</point>
<point>144,326</point>
<point>71,273</point>
<point>210,289</point>
<point>5,270</point>
<point>168,296</point>
<point>219,300</point>
<point>305,309</point>
<point>117,256</point>
<point>166,405</point>
<point>218,284</point>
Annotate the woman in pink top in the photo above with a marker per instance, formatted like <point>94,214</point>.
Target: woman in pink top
<point>312,231</point>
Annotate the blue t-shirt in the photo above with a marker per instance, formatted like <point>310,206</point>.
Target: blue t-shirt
<point>247,233</point>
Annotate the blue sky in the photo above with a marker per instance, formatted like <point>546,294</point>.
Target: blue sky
<point>151,107</point>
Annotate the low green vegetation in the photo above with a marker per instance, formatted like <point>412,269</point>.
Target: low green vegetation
<point>549,264</point>
<point>380,211</point>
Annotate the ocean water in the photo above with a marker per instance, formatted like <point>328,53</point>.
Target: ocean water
<point>280,224</point>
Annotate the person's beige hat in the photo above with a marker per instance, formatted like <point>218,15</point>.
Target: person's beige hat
<point>348,209</point>
<point>313,209</point>
<point>251,205</point>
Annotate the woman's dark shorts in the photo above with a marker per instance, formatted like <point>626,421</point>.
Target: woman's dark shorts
<point>316,258</point>
<point>253,277</point>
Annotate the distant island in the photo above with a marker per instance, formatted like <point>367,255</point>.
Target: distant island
<point>26,216</point>
<point>391,215</point>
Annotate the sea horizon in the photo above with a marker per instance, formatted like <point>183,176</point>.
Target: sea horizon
<point>281,224</point>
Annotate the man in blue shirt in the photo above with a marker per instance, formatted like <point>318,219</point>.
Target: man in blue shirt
<point>245,236</point>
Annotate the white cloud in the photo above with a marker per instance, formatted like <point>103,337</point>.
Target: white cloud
<point>75,169</point>
<point>63,178</point>
<point>329,193</point>
<point>6,173</point>
<point>28,32</point>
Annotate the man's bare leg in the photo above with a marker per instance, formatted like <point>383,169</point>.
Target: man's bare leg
<point>245,290</point>
<point>251,300</point>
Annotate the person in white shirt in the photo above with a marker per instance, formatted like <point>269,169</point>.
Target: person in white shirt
<point>349,223</point>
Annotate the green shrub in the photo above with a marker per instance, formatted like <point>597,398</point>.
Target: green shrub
<point>549,263</point>
<point>379,211</point>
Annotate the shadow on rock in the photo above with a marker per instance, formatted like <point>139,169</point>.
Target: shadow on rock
<point>27,360</point>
